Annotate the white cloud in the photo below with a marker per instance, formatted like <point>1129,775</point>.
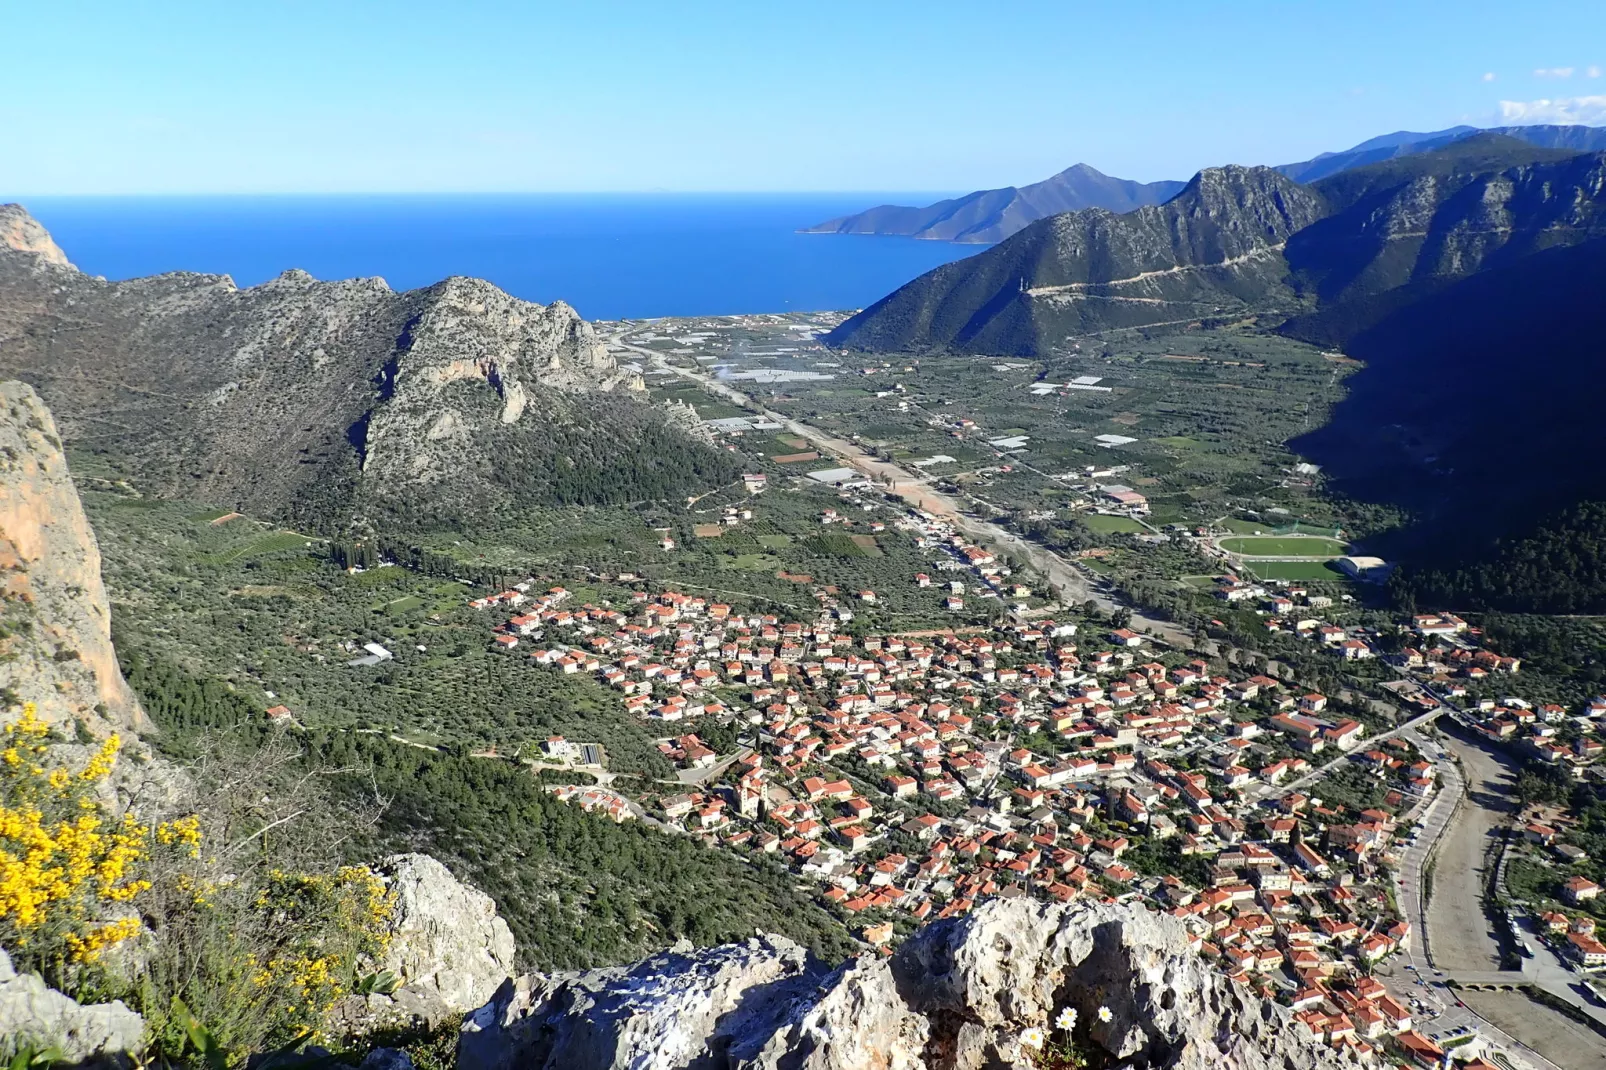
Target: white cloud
<point>1593,72</point>
<point>1587,110</point>
<point>1489,77</point>
<point>1553,72</point>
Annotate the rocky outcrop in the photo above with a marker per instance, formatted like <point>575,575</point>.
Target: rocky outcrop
<point>21,233</point>
<point>315,401</point>
<point>55,620</point>
<point>445,935</point>
<point>960,995</point>
<point>33,1013</point>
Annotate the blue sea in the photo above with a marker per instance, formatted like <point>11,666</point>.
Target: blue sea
<point>610,256</point>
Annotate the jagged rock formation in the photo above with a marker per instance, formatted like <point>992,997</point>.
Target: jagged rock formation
<point>317,400</point>
<point>32,1012</point>
<point>55,620</point>
<point>958,996</point>
<point>445,935</point>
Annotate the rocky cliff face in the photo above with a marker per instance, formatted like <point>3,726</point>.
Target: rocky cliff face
<point>55,621</point>
<point>960,995</point>
<point>307,399</point>
<point>33,1013</point>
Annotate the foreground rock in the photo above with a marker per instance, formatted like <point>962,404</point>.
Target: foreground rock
<point>33,1013</point>
<point>55,643</point>
<point>958,996</point>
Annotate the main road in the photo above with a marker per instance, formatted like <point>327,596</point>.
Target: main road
<point>1072,584</point>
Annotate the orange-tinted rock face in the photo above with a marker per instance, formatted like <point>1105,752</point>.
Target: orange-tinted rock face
<point>57,650</point>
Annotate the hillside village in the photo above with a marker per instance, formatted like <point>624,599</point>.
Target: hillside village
<point>909,777</point>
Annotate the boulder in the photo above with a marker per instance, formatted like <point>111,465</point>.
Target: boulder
<point>446,937</point>
<point>32,1012</point>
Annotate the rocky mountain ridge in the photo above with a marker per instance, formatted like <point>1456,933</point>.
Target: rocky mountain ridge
<point>991,215</point>
<point>317,401</point>
<point>1244,241</point>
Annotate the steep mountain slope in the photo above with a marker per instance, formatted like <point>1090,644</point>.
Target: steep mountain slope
<point>1213,250</point>
<point>992,215</point>
<point>319,400</point>
<point>55,621</point>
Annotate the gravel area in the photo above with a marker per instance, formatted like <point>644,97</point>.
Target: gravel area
<point>1566,1043</point>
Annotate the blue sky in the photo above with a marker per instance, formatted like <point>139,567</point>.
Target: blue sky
<point>594,95</point>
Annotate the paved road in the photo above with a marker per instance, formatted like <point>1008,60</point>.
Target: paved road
<point>1266,791</point>
<point>1073,584</point>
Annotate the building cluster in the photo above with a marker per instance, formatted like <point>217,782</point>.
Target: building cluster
<point>910,776</point>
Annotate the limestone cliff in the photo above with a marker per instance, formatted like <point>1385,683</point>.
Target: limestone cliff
<point>55,621</point>
<point>960,995</point>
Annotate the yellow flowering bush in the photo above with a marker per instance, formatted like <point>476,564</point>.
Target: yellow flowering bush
<point>238,940</point>
<point>68,869</point>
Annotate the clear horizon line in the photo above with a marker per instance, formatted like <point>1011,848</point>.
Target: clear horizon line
<point>10,197</point>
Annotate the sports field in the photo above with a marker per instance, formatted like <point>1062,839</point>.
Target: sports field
<point>1101,523</point>
<point>1282,546</point>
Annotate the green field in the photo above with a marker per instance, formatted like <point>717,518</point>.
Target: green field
<point>1283,546</point>
<point>1109,524</point>
<point>1293,570</point>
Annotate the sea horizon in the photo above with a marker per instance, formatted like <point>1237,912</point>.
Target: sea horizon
<point>609,255</point>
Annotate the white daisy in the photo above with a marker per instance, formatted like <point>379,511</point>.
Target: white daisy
<point>1032,1038</point>
<point>1066,1020</point>
<point>1105,1014</point>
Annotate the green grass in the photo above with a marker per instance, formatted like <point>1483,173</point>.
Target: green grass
<point>272,543</point>
<point>1274,546</point>
<point>775,542</point>
<point>1181,442</point>
<point>1109,524</point>
<point>403,606</point>
<point>755,562</point>
<point>1293,570</point>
